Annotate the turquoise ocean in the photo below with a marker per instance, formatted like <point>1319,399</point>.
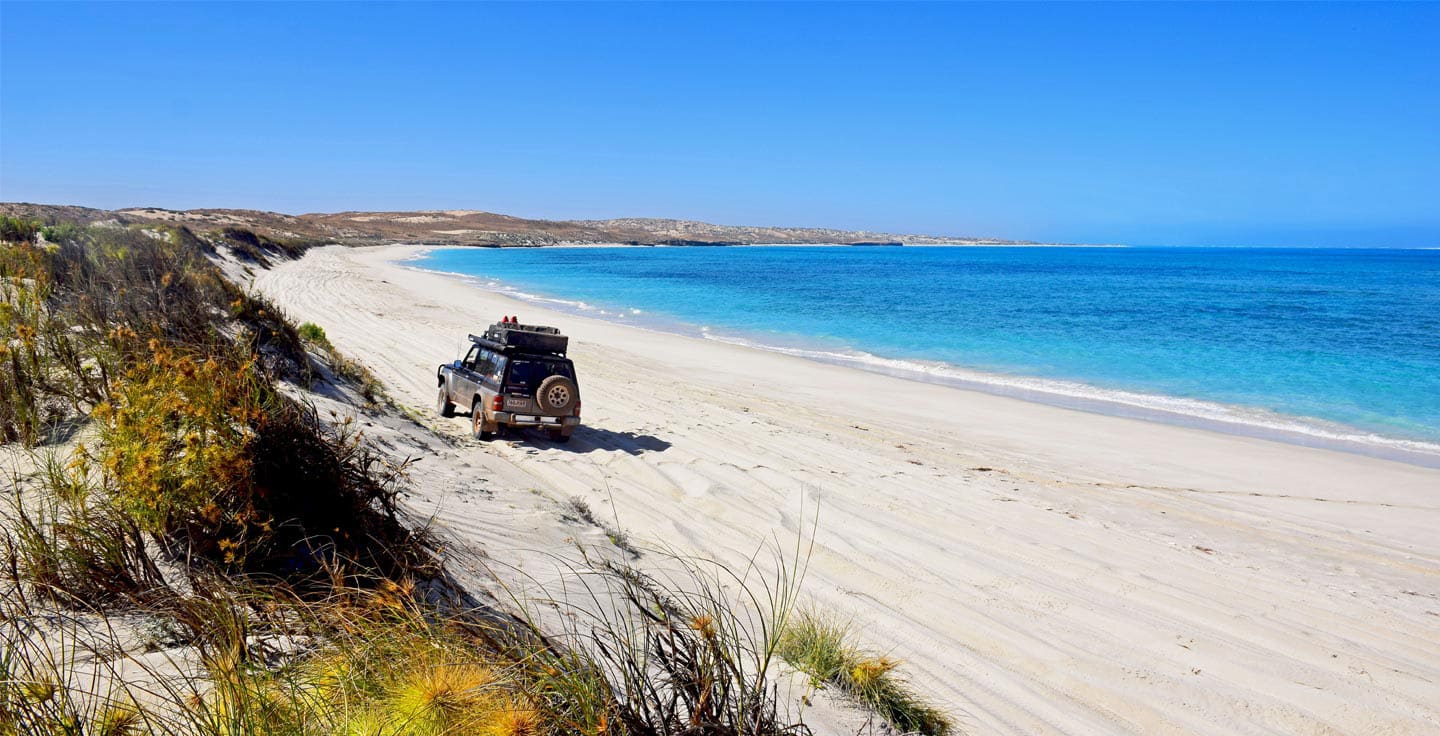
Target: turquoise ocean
<point>1327,347</point>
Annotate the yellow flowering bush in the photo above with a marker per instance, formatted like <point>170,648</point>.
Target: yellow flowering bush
<point>175,450</point>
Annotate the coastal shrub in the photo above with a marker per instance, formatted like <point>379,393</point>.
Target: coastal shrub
<point>174,442</point>
<point>154,287</point>
<point>143,334</point>
<point>61,232</point>
<point>824,648</point>
<point>271,336</point>
<point>22,406</point>
<point>314,333</point>
<point>202,451</point>
<point>75,313</point>
<point>18,230</point>
<point>244,244</point>
<point>45,366</point>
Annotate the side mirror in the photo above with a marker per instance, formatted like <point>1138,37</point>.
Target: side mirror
<point>456,364</point>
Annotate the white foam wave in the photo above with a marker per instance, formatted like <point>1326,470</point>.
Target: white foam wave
<point>1072,394</point>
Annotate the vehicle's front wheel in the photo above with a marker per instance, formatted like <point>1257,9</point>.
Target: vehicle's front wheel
<point>477,422</point>
<point>443,405</point>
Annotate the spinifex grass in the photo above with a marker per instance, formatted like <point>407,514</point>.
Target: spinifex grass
<point>825,649</point>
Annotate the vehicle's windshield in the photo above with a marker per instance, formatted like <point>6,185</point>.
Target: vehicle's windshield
<point>526,375</point>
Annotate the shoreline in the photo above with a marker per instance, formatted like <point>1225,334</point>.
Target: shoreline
<point>1200,414</point>
<point>1041,570</point>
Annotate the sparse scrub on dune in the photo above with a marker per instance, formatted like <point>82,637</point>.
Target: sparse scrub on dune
<point>208,455</point>
<point>243,243</point>
<point>175,365</point>
<point>369,386</point>
<point>259,249</point>
<point>75,312</point>
<point>641,655</point>
<point>577,509</point>
<point>825,648</point>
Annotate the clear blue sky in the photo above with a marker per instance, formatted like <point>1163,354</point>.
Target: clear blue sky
<point>1152,124</point>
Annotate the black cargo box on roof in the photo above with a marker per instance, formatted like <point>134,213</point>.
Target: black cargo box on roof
<point>527,338</point>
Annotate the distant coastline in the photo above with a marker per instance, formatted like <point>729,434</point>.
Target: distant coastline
<point>478,228</point>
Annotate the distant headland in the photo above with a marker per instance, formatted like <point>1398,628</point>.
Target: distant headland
<point>474,227</point>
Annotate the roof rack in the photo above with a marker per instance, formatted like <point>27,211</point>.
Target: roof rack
<point>527,338</point>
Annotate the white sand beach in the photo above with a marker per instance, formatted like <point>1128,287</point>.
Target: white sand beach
<point>1040,570</point>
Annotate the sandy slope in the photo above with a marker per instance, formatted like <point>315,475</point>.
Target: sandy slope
<point>1041,570</point>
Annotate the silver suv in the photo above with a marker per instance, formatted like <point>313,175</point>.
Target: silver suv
<point>513,376</point>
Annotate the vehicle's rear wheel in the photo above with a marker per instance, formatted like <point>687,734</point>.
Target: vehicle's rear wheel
<point>477,422</point>
<point>443,405</point>
<point>559,435</point>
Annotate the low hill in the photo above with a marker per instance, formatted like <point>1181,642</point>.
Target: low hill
<point>473,227</point>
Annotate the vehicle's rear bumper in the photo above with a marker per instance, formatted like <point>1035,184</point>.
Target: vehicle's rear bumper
<point>515,419</point>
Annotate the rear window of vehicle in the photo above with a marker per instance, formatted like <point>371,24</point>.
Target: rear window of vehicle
<point>526,375</point>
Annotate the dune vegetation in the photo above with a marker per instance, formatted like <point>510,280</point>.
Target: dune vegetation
<point>190,548</point>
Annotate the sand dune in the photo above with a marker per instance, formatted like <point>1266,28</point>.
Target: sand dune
<point>1041,570</point>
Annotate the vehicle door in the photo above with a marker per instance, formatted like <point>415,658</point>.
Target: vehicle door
<point>485,385</point>
<point>466,382</point>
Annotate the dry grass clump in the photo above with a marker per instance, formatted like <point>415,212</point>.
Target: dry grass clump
<point>577,510</point>
<point>45,685</point>
<point>689,648</point>
<point>77,554</point>
<point>825,649</point>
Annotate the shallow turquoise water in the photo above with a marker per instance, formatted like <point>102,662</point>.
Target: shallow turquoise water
<point>1330,343</point>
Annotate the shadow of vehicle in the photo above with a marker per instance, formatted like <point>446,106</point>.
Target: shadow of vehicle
<point>589,438</point>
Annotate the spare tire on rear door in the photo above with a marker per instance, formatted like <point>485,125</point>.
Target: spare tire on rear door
<point>557,394</point>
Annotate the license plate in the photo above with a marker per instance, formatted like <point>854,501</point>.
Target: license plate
<point>512,402</point>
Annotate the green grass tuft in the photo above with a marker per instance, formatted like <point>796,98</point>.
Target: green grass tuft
<point>316,334</point>
<point>824,648</point>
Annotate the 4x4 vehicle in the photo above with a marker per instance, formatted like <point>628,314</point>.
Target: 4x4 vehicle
<point>513,376</point>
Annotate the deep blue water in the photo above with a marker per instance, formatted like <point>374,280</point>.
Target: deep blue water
<point>1336,343</point>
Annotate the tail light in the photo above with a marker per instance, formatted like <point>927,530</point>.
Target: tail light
<point>497,403</point>
<point>577,407</point>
